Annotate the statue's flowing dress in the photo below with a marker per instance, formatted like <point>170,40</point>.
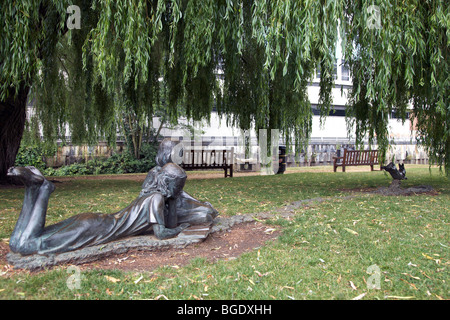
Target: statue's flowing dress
<point>89,229</point>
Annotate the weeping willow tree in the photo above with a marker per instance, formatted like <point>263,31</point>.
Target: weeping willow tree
<point>400,64</point>
<point>252,60</point>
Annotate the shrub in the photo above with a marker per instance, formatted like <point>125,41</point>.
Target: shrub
<point>116,164</point>
<point>30,156</point>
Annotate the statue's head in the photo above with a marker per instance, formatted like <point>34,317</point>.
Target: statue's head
<point>169,151</point>
<point>169,181</point>
<point>175,178</point>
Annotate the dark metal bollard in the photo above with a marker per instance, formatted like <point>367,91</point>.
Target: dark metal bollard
<point>281,159</point>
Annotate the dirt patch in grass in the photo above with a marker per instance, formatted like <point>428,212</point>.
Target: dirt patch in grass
<point>395,191</point>
<point>223,245</point>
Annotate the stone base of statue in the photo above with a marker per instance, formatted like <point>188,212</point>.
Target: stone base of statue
<point>191,235</point>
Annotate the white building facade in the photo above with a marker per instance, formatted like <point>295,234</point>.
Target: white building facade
<point>326,138</point>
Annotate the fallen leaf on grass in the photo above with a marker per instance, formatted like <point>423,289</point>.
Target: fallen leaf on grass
<point>270,231</point>
<point>438,261</point>
<point>262,274</point>
<point>444,245</point>
<point>407,274</point>
<point>427,256</point>
<point>286,287</point>
<point>360,296</point>
<point>257,219</point>
<point>352,285</point>
<point>411,284</point>
<point>399,297</point>
<point>351,231</point>
<point>423,272</point>
<point>179,254</point>
<point>112,279</point>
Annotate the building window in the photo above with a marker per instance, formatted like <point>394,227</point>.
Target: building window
<point>318,73</point>
<point>345,72</point>
<point>335,112</point>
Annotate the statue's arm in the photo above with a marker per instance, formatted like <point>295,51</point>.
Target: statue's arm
<point>187,196</point>
<point>172,217</point>
<point>157,208</point>
<point>161,229</point>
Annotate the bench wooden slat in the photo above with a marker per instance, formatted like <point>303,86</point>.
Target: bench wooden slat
<point>356,158</point>
<point>209,159</point>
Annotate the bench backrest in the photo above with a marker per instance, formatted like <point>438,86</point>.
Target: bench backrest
<point>360,157</point>
<point>206,157</point>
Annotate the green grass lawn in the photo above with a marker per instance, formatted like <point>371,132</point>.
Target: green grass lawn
<point>328,250</point>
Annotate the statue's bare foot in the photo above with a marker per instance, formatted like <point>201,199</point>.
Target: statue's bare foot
<point>47,184</point>
<point>26,175</point>
<point>35,171</point>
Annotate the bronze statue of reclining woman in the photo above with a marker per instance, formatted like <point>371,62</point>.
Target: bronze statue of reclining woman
<point>162,206</point>
<point>146,212</point>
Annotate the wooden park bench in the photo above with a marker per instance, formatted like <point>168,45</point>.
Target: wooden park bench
<point>204,159</point>
<point>356,158</point>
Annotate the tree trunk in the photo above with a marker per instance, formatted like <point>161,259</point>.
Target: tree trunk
<point>12,122</point>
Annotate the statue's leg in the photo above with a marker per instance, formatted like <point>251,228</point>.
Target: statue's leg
<point>36,222</point>
<point>31,194</point>
<point>32,185</point>
<point>32,217</point>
